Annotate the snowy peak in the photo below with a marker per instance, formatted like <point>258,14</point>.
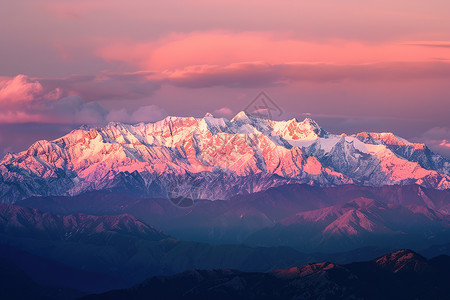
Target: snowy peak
<point>294,130</point>
<point>313,126</point>
<point>249,153</point>
<point>386,138</point>
<point>242,115</point>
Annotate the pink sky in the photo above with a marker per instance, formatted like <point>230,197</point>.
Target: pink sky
<point>351,65</point>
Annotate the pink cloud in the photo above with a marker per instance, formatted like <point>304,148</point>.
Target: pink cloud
<point>13,117</point>
<point>105,86</point>
<point>223,112</point>
<point>438,44</point>
<point>26,100</point>
<point>20,88</point>
<point>445,143</point>
<point>75,9</point>
<point>438,139</point>
<point>224,48</point>
<point>23,89</point>
<point>259,74</point>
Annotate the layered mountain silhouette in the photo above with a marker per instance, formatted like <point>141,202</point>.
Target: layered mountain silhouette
<point>19,221</point>
<point>359,222</point>
<point>306,217</point>
<point>403,274</point>
<point>16,284</point>
<point>120,248</point>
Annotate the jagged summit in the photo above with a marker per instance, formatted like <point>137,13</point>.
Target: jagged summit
<point>244,155</point>
<point>242,115</point>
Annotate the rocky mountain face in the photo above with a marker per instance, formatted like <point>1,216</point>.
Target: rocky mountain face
<point>214,158</point>
<point>357,223</point>
<point>400,275</point>
<point>31,223</point>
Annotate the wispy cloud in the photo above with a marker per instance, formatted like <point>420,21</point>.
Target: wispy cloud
<point>220,47</point>
<point>223,112</point>
<point>437,44</point>
<point>259,74</point>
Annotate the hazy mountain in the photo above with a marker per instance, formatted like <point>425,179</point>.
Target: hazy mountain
<point>15,284</point>
<point>400,275</point>
<point>47,272</point>
<point>26,222</point>
<point>123,247</point>
<point>357,223</point>
<point>232,221</point>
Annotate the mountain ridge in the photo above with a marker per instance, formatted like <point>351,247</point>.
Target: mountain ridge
<point>403,274</point>
<point>214,158</point>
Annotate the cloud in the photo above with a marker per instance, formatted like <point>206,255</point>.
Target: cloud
<point>221,48</point>
<point>437,139</point>
<point>437,44</point>
<point>74,10</point>
<point>73,110</point>
<point>58,101</point>
<point>24,100</point>
<point>223,112</point>
<point>257,74</point>
<point>445,143</point>
<point>104,86</point>
<point>148,113</point>
<point>260,74</point>
<point>22,89</point>
<point>20,116</point>
<point>67,110</point>
<point>438,133</point>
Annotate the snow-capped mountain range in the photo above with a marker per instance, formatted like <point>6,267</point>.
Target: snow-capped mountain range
<point>215,158</point>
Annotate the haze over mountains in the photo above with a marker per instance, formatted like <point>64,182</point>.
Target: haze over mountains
<point>215,158</point>
<point>415,213</point>
<point>402,274</point>
<point>123,203</point>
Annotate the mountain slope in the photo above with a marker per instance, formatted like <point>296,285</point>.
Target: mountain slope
<point>46,272</point>
<point>234,220</point>
<point>214,158</point>
<point>357,223</point>
<point>15,284</point>
<point>414,277</point>
<point>26,222</point>
<point>129,253</point>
